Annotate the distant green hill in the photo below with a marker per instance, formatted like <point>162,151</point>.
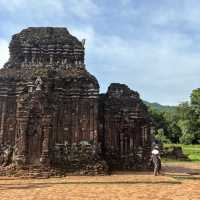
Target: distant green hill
<point>159,107</point>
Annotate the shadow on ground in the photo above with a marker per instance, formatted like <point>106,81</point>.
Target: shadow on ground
<point>172,168</point>
<point>43,185</point>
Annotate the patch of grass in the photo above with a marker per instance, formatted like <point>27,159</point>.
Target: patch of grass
<point>192,151</point>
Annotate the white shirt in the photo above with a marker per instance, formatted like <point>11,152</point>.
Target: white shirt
<point>155,152</point>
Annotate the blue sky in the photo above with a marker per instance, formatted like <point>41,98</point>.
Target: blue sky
<point>153,46</point>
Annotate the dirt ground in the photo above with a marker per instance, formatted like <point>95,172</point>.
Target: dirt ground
<point>179,181</point>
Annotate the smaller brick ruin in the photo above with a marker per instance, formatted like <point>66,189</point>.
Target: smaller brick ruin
<point>53,117</point>
<point>125,128</point>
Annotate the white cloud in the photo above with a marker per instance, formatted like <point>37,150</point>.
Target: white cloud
<point>163,13</point>
<point>84,8</point>
<point>163,70</point>
<point>11,5</point>
<point>4,53</point>
<point>51,8</point>
<point>86,32</point>
<point>158,55</point>
<point>125,2</point>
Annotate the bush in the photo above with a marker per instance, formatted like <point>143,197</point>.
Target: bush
<point>160,136</point>
<point>187,138</point>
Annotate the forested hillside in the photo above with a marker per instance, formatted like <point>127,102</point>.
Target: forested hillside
<point>159,107</point>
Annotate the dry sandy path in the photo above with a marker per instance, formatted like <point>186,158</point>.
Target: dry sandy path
<point>179,182</point>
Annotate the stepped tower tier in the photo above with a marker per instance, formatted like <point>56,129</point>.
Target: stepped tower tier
<point>46,47</point>
<point>49,102</point>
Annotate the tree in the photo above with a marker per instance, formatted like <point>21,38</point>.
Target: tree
<point>161,126</point>
<point>173,130</point>
<point>195,97</point>
<point>181,123</point>
<point>187,136</point>
<point>160,136</point>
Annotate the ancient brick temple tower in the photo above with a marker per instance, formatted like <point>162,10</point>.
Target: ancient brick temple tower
<point>51,113</point>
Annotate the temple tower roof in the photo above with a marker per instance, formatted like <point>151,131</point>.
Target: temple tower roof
<point>46,46</point>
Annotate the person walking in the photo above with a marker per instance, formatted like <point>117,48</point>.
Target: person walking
<point>155,159</point>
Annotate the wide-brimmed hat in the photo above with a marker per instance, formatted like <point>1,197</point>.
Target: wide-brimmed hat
<point>156,147</point>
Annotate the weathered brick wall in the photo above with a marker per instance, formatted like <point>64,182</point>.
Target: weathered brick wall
<point>125,128</point>
<point>51,113</point>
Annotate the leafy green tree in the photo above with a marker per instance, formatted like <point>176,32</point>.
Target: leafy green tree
<point>178,124</point>
<point>194,115</point>
<point>195,97</point>
<point>161,126</point>
<point>187,136</point>
<point>160,136</point>
<point>173,130</point>
<point>183,110</point>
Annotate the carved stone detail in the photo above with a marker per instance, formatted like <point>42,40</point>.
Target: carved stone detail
<point>51,113</point>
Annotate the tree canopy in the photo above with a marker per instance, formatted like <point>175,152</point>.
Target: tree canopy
<point>178,124</point>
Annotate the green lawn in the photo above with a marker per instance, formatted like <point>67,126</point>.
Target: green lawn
<point>192,151</point>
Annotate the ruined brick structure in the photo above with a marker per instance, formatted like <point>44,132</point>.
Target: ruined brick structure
<point>125,128</point>
<point>52,115</point>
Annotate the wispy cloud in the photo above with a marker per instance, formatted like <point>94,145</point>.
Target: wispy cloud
<point>84,8</point>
